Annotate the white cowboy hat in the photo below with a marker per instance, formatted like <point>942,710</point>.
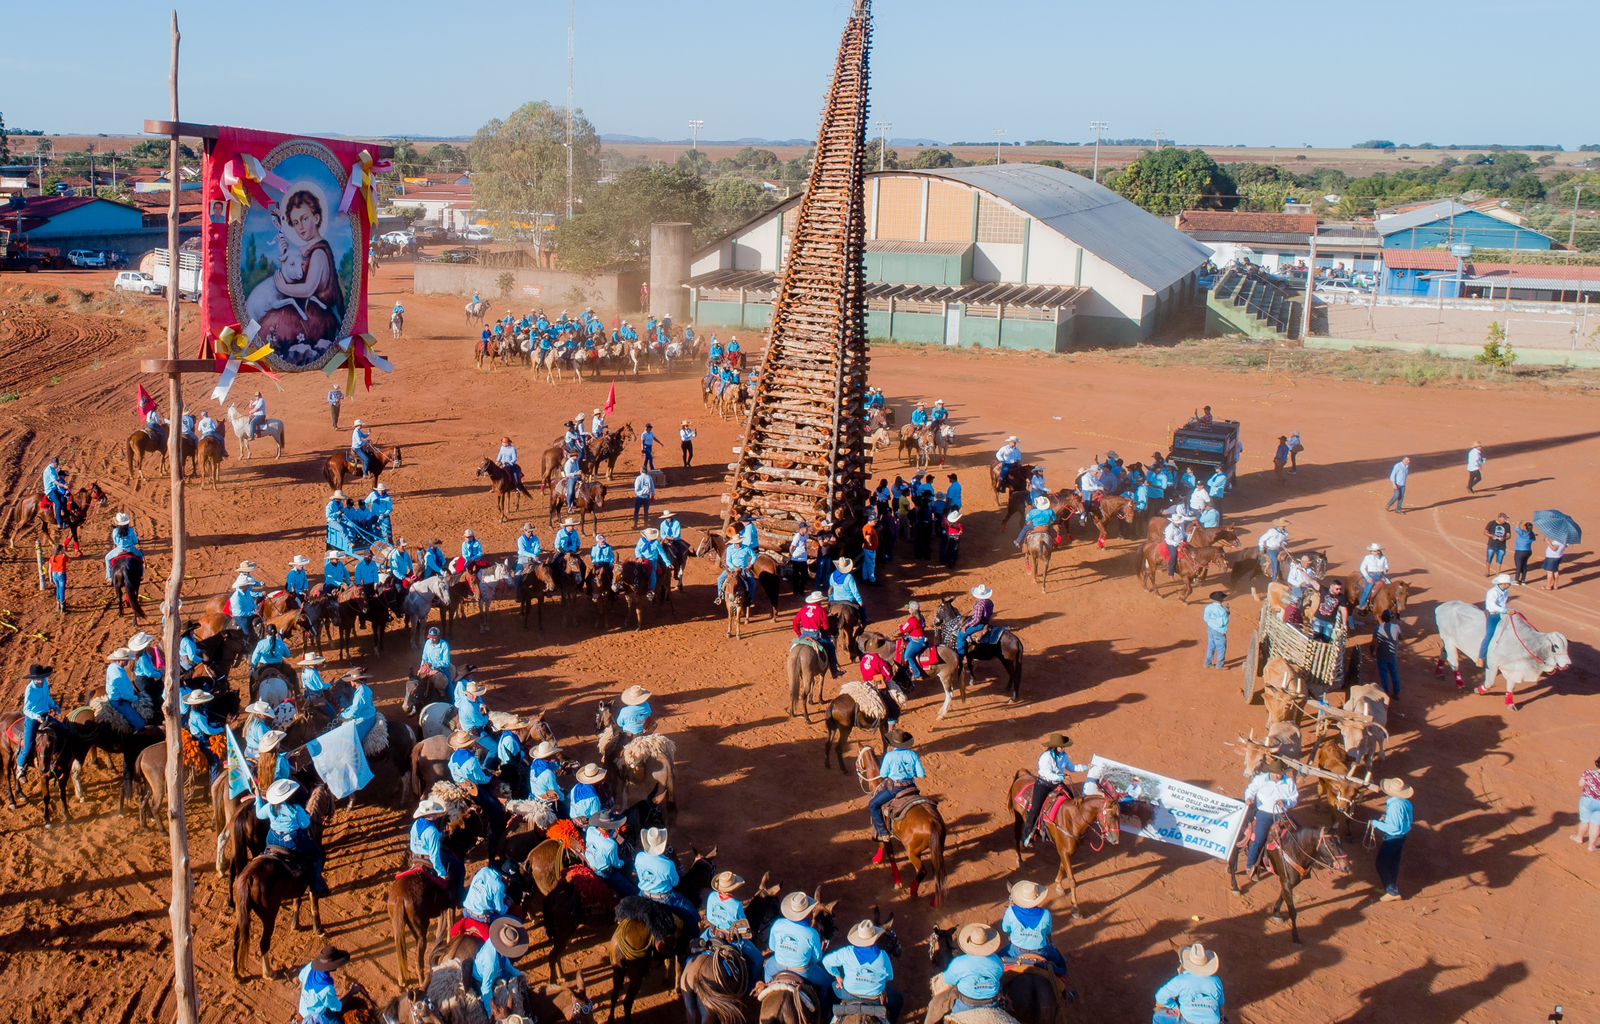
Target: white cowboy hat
<point>140,640</point>
<point>569,521</point>
<point>650,533</point>
<point>845,565</point>
<point>1374,546</point>
<point>259,707</point>
<point>982,592</point>
<point>248,566</point>
<point>954,516</point>
<point>546,748</point>
<point>654,840</point>
<point>726,882</point>
<point>938,401</point>
<point>270,741</point>
<point>865,934</point>
<point>1502,580</point>
<point>311,659</point>
<point>1012,439</point>
<point>337,496</point>
<point>299,560</point>
<point>120,654</point>
<point>333,556</point>
<point>466,533</point>
<point>667,513</point>
<point>1028,895</point>
<point>1041,503</point>
<point>474,688</point>
<point>1280,524</point>
<point>1396,787</point>
<point>281,790</point>
<point>815,597</point>
<point>429,806</point>
<point>590,774</point>
<point>797,906</point>
<point>526,527</point>
<point>978,940</point>
<point>360,423</point>
<point>1198,960</point>
<point>597,410</point>
<point>636,695</point>
<point>197,698</point>
<point>382,488</point>
<point>122,519</point>
<point>242,581</point>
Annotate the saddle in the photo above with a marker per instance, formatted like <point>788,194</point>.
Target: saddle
<point>855,1007</point>
<point>291,861</point>
<point>592,889</point>
<point>806,641</point>
<point>423,868</point>
<point>470,926</point>
<point>902,804</point>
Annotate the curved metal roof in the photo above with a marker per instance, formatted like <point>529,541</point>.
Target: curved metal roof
<point>1139,244</point>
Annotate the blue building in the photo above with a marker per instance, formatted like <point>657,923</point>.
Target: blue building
<point>1446,223</point>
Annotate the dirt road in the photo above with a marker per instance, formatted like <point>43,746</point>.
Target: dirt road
<point>1499,902</point>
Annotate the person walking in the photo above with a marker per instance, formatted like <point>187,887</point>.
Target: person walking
<point>1216,619</point>
<point>1523,550</point>
<point>869,549</point>
<point>1386,652</point>
<point>1398,477</point>
<point>1295,448</point>
<point>58,576</point>
<point>335,397</point>
<point>1589,807</point>
<point>1280,457</point>
<point>1553,551</point>
<point>1194,995</point>
<point>1498,530</point>
<point>644,492</point>
<point>1394,826</point>
<point>686,436</point>
<point>1475,459</point>
<point>647,446</point>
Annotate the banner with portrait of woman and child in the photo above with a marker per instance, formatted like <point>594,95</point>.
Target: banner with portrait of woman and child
<point>288,221</point>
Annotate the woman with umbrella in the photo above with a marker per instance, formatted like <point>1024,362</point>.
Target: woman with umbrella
<point>1560,531</point>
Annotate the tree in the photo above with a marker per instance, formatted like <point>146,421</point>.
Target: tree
<point>891,159</point>
<point>520,163</point>
<point>927,159</point>
<point>1528,186</point>
<point>695,162</point>
<point>408,162</point>
<point>1051,162</point>
<point>614,228</point>
<point>1170,180</point>
<point>763,163</point>
<point>445,157</point>
<point>1374,144</point>
<point>732,201</point>
<point>5,147</point>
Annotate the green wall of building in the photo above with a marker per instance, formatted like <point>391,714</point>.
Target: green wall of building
<point>920,268</point>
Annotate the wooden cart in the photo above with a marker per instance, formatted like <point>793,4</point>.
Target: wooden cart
<point>1274,638</point>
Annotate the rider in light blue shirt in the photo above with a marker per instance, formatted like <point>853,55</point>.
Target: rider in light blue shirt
<point>362,710</point>
<point>1028,928</point>
<point>900,770</point>
<point>569,539</point>
<point>586,799</point>
<point>334,572</point>
<point>739,559</point>
<point>842,586</point>
<point>657,874</point>
<point>471,715</point>
<point>919,416</point>
<point>486,897</point>
<point>748,535</point>
<point>648,549</point>
<point>295,581</point>
<point>634,717</point>
<point>1040,517</point>
<point>863,971</point>
<point>529,548</point>
<point>366,571</point>
<point>124,541</point>
<point>400,561</point>
<point>796,945</point>
<point>119,689</point>
<point>436,653</point>
<point>1190,998</point>
<point>471,548</point>
<point>604,856</point>
<point>269,650</point>
<point>38,707</point>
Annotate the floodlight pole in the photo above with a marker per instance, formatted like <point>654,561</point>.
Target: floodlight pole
<point>1098,126</point>
<point>883,141</point>
<point>999,133</point>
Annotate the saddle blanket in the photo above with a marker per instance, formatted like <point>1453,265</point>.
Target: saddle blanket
<point>339,760</point>
<point>1052,801</point>
<point>897,808</point>
<point>868,701</point>
<point>425,870</point>
<point>806,641</point>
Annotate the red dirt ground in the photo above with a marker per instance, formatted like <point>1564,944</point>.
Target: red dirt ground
<point>1499,900</point>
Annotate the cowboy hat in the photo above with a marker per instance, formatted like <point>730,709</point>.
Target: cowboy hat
<point>299,560</point>
<point>248,566</point>
<point>650,533</point>
<point>259,707</point>
<point>337,495</point>
<point>815,597</point>
<point>797,906</point>
<point>139,641</point>
<point>864,934</point>
<point>546,748</point>
<point>1197,960</point>
<point>360,423</point>
<point>938,401</point>
<point>900,738</point>
<point>978,940</point>
<point>270,741</point>
<point>526,527</point>
<point>1012,439</point>
<point>1396,787</point>
<point>1041,503</point>
<point>509,938</point>
<point>1058,739</point>
<point>1028,895</point>
<point>606,822</point>
<point>311,659</point>
<point>120,654</point>
<point>982,592</point>
<point>122,519</point>
<point>330,959</point>
<point>429,807</point>
<point>726,882</point>
<point>654,840</point>
<point>39,672</point>
<point>460,740</point>
<point>1219,595</point>
<point>569,521</point>
<point>1280,523</point>
<point>242,581</point>
<point>1503,580</point>
<point>912,606</point>
<point>845,565</point>
<point>467,533</point>
<point>196,698</point>
<point>668,514</point>
<point>473,688</point>
<point>636,695</point>
<point>590,774</point>
<point>954,516</point>
<point>1374,546</point>
<point>281,790</point>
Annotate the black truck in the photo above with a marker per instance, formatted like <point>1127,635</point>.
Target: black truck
<point>1205,445</point>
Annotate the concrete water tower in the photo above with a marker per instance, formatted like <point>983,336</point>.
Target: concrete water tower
<point>671,251</point>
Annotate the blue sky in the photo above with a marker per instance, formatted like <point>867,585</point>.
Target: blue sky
<point>1238,71</point>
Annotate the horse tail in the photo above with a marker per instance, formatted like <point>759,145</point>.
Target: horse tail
<point>936,855</point>
<point>241,916</point>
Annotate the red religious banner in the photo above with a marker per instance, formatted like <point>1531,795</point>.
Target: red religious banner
<point>289,222</point>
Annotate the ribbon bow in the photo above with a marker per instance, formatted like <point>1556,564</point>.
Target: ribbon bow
<point>244,176</point>
<point>361,181</point>
<point>234,346</point>
<point>355,352</point>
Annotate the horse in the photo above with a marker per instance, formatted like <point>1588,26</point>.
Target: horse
<point>424,596</point>
<point>533,586</point>
<point>127,575</point>
<point>35,510</point>
<point>808,667</point>
<point>494,584</point>
<point>570,579</point>
<point>265,884</point>
<point>1388,596</point>
<point>1031,992</point>
<point>140,444</point>
<point>1007,648</point>
<point>1110,509</point>
<point>648,932</point>
<point>847,627</point>
<point>1068,822</point>
<point>844,715</point>
<point>588,502</point>
<point>766,570</point>
<point>417,897</point>
<point>944,435</point>
<point>1037,547</point>
<point>475,312</point>
<point>343,465</point>
<point>633,585</point>
<point>504,484</point>
<point>1014,480</point>
<point>242,834</point>
<point>608,448</point>
<point>920,829</point>
<point>1194,563</point>
<point>210,455</point>
<point>57,746</point>
<point>916,443</point>
<point>736,599</point>
<point>1295,855</point>
<point>948,671</point>
<point>397,324</point>
<point>241,432</point>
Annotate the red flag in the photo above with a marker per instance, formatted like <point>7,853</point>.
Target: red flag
<point>611,400</point>
<point>146,403</point>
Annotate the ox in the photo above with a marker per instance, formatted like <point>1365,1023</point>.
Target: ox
<point>1519,652</point>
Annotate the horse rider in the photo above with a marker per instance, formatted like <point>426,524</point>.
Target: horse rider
<point>1271,793</point>
<point>149,664</point>
<point>155,426</point>
<point>1272,545</point>
<point>495,964</point>
<point>739,560</point>
<point>1496,606</point>
<point>978,621</point>
<point>296,582</point>
<point>39,709</point>
<point>366,575</point>
<point>572,437</point>
<point>529,548</point>
<point>657,875</point>
<point>544,771</point>
<point>634,718</point>
<point>289,830</point>
<point>648,549</point>
<point>434,560</point>
<point>120,693</point>
<point>597,424</point>
<point>914,635</point>
<point>586,799</point>
<point>939,414</point>
<point>1194,995</point>
<point>257,724</point>
<point>258,414</point>
<point>862,972</point>
<point>472,552</point>
<point>603,854</point>
<point>486,900</point>
<point>506,459</point>
<point>209,427</point>
<point>919,416</point>
<point>319,997</point>
<point>726,922</point>
<point>429,849</point>
<point>124,541</point>
<point>472,717</point>
<point>569,539</point>
<point>1374,571</point>
<point>1175,537</point>
<point>603,560</point>
<point>270,650</point>
<point>977,971</point>
<point>436,654</point>
<point>899,772</point>
<point>242,604</point>
<point>843,588</point>
<point>748,535</point>
<point>400,565</point>
<point>572,476</point>
<point>363,709</point>
<point>359,442</point>
<point>797,948</point>
<point>1051,774</point>
<point>1009,458</point>
<point>1040,518</point>
<point>190,654</point>
<point>672,536</point>
<point>1027,927</point>
<point>55,488</point>
<point>811,623</point>
<point>465,767</point>
<point>1301,579</point>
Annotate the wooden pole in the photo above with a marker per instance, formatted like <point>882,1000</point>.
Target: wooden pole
<point>172,612</point>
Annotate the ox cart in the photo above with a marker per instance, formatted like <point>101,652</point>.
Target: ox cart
<point>1325,660</point>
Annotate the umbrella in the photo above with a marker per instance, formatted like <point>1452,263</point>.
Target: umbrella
<point>1558,526</point>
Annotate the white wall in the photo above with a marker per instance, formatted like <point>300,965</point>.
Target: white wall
<point>1052,257</point>
<point>997,261</point>
<point>1127,296</point>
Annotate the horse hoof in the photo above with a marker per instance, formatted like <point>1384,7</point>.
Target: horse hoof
<point>1276,918</point>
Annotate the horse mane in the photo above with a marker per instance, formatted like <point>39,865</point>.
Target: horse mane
<point>659,919</point>
<point>641,749</point>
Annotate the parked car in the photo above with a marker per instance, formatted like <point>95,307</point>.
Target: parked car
<point>477,233</point>
<point>134,281</point>
<point>86,258</point>
<point>398,238</point>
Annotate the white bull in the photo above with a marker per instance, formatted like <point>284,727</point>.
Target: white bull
<point>1519,652</point>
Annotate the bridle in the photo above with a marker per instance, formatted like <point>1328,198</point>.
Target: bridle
<point>1325,843</point>
<point>1548,664</point>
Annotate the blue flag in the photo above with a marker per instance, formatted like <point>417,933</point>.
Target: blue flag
<point>240,778</point>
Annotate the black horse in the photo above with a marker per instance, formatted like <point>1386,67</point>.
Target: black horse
<point>1006,649</point>
<point>127,576</point>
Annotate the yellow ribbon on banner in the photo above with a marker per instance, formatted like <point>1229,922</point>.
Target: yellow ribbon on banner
<point>232,344</point>
<point>366,186</point>
<point>253,171</point>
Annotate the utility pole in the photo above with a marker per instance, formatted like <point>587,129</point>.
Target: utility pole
<point>572,49</point>
<point>883,140</point>
<point>999,133</point>
<point>1311,285</point>
<point>1159,132</point>
<point>1572,232</point>
<point>694,134</point>
<point>1098,127</point>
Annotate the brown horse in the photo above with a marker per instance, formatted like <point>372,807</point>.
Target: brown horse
<point>1067,826</point>
<point>588,502</point>
<point>1194,563</point>
<point>947,671</point>
<point>342,466</point>
<point>268,882</point>
<point>916,445</point>
<point>920,829</point>
<point>1037,547</point>
<point>808,667</point>
<point>1016,480</point>
<point>1296,854</point>
<point>1389,596</point>
<point>1110,509</point>
<point>209,454</point>
<point>140,444</point>
<point>35,510</point>
<point>57,746</point>
<point>607,449</point>
<point>843,716</point>
<point>766,569</point>
<point>736,599</point>
<point>417,897</point>
<point>533,587</point>
<point>633,585</point>
<point>1032,993</point>
<point>505,486</point>
<point>649,933</point>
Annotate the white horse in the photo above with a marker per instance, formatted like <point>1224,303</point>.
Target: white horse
<point>241,431</point>
<point>497,583</point>
<point>476,311</point>
<point>397,325</point>
<point>423,597</point>
<point>943,438</point>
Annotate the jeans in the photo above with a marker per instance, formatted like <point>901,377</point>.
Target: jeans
<point>30,729</point>
<point>965,636</point>
<point>1521,560</point>
<point>875,806</point>
<point>1273,556</point>
<point>58,504</point>
<point>1397,500</point>
<point>257,421</point>
<point>1492,622</point>
<point>688,452</point>
<point>649,457</point>
<point>333,412</point>
<point>1389,675</point>
<point>60,579</point>
<point>1366,592</point>
<point>1474,478</point>
<point>128,710</point>
<point>638,505</point>
<point>1216,648</point>
<point>679,903</point>
<point>1010,955</point>
<point>1389,863</point>
<point>869,565</point>
<point>915,646</point>
<point>1258,841</point>
<point>572,491</point>
<point>1172,559</point>
<point>243,624</point>
<point>1495,555</point>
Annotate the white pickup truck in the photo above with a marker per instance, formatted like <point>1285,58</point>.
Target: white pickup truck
<point>188,273</point>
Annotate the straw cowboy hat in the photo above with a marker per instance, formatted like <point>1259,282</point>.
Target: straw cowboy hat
<point>1374,546</point>
<point>474,688</point>
<point>337,496</point>
<point>590,774</point>
<point>569,521</point>
<point>122,519</point>
<point>1197,960</point>
<point>845,565</point>
<point>650,533</point>
<point>197,698</point>
<point>1058,739</point>
<point>509,938</point>
<point>654,840</point>
<point>460,740</point>
<point>259,707</point>
<point>299,561</point>
<point>382,488</point>
<point>726,882</point>
<point>815,597</point>
<point>311,659</point>
<point>1041,503</point>
<point>270,741</point>
<point>797,906</point>
<point>667,513</point>
<point>330,959</point>
<point>982,592</point>
<point>1013,439</point>
<point>242,582</point>
<point>281,790</point>
<point>978,940</point>
<point>1396,787</point>
<point>428,808</point>
<point>938,401</point>
<point>139,641</point>
<point>546,748</point>
<point>527,527</point>
<point>954,516</point>
<point>865,934</point>
<point>248,566</point>
<point>360,423</point>
<point>636,695</point>
<point>120,654</point>
<point>1028,895</point>
<point>466,533</point>
<point>1281,524</point>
